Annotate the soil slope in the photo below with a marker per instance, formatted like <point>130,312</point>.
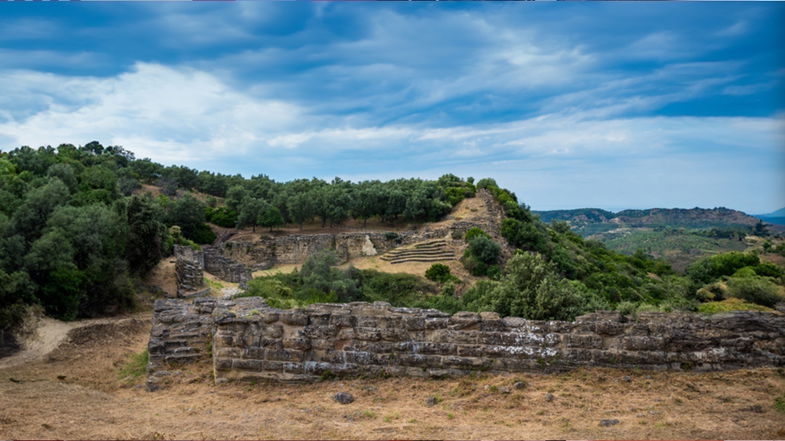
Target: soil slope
<point>74,392</point>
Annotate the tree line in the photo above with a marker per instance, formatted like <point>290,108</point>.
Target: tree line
<point>76,234</point>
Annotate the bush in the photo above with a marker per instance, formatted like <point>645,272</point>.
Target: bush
<point>525,235</point>
<point>398,289</point>
<point>221,216</point>
<point>438,272</point>
<point>728,305</point>
<point>531,288</point>
<point>200,233</point>
<point>768,269</point>
<point>485,250</point>
<point>474,232</point>
<point>755,289</point>
<point>712,268</point>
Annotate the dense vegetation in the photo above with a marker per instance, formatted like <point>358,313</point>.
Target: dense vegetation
<point>74,236</point>
<point>555,274</point>
<point>320,281</point>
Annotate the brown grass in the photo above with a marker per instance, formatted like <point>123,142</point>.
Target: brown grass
<point>90,401</point>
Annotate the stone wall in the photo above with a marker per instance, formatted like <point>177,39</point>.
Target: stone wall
<point>295,248</point>
<point>224,268</point>
<point>189,269</point>
<point>253,341</point>
<point>181,333</point>
<point>269,251</point>
<point>191,264</point>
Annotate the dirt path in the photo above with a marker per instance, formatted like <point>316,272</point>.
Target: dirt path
<point>47,337</point>
<point>75,392</point>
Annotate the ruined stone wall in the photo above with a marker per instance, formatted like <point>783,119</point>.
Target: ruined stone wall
<point>295,248</point>
<point>189,269</point>
<point>181,333</point>
<point>225,268</point>
<point>191,264</point>
<point>253,341</point>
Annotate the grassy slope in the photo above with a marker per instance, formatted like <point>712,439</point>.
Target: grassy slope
<point>679,248</point>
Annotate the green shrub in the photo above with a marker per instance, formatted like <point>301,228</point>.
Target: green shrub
<point>728,305</point>
<point>711,268</point>
<point>531,288</point>
<point>768,269</point>
<point>438,272</point>
<point>755,289</point>
<point>221,216</point>
<point>474,232</point>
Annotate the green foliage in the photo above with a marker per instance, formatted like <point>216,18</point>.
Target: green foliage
<point>532,288</point>
<point>779,403</point>
<point>725,264</point>
<point>482,256</point>
<point>756,289</point>
<point>320,281</point>
<point>525,235</point>
<point>473,232</point>
<point>729,305</point>
<point>146,234</point>
<point>438,272</point>
<point>221,216</point>
<point>135,368</point>
<point>188,213</point>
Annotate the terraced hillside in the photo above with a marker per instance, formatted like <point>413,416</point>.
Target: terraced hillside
<point>428,251</point>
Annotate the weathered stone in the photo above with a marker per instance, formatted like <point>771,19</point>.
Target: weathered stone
<point>608,423</point>
<point>250,340</point>
<point>344,397</point>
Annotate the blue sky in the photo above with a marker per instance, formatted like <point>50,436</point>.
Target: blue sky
<point>611,105</point>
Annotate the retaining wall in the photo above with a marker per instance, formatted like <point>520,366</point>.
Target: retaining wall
<point>252,341</point>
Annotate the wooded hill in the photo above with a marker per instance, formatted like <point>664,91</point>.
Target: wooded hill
<point>75,238</point>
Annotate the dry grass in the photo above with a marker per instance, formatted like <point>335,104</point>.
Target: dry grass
<point>77,394</point>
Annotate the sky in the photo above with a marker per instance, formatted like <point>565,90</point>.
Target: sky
<point>612,105</point>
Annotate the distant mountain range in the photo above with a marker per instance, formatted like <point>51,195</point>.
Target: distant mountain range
<point>588,221</point>
<point>775,217</point>
<point>678,235</point>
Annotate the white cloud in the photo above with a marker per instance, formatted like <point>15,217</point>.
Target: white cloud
<point>165,113</point>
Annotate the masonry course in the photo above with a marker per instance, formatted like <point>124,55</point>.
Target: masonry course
<point>251,341</point>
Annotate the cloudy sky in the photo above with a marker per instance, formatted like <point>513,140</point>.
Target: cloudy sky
<point>611,105</point>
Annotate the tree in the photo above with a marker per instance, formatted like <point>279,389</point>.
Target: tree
<point>188,213</point>
<point>255,212</point>
<point>270,217</point>
<point>30,218</point>
<point>146,234</point>
<point>235,197</point>
<point>300,208</point>
<point>531,288</point>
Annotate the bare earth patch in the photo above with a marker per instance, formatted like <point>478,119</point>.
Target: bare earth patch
<point>75,392</point>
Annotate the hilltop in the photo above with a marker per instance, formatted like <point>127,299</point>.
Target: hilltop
<point>775,217</point>
<point>587,221</point>
<point>678,235</point>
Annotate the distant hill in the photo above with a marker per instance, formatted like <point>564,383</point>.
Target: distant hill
<point>775,217</point>
<point>678,235</point>
<point>588,221</point>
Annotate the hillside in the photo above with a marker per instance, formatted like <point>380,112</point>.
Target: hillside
<point>678,235</point>
<point>587,221</point>
<point>775,217</point>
